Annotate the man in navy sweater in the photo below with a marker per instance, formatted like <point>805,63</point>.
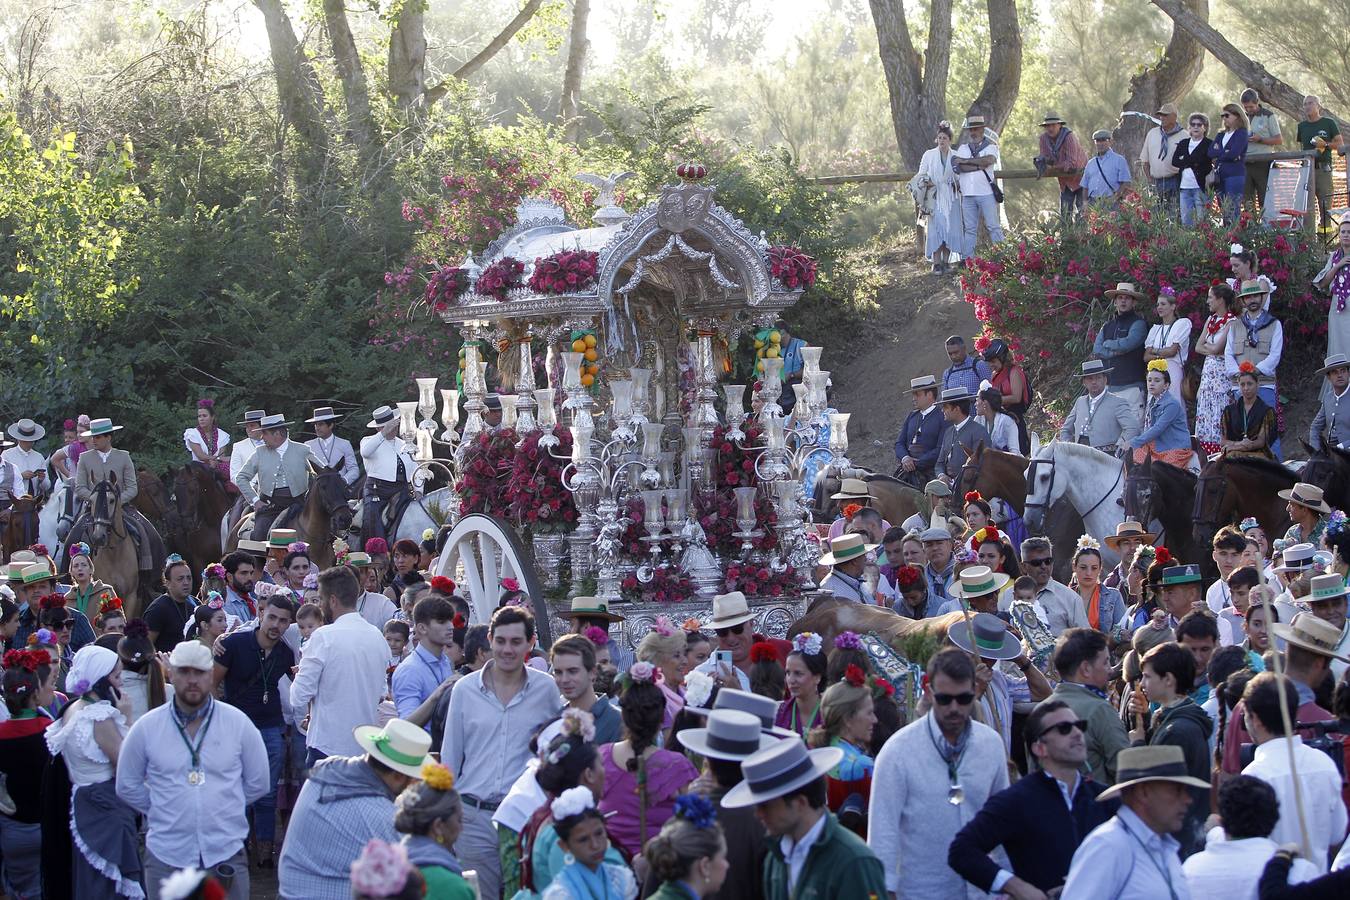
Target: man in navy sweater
<point>1040,820</point>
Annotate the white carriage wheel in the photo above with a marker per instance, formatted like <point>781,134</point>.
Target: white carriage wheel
<point>482,550</point>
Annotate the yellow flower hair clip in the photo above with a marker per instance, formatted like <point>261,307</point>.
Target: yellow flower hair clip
<point>1157,365</point>
<point>437,776</point>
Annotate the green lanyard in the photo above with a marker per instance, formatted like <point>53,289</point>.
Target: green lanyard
<point>195,775</point>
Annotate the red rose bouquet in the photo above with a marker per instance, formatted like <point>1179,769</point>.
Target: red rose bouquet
<point>446,283</point>
<point>792,267</point>
<point>534,491</point>
<point>500,277</point>
<point>668,585</point>
<point>565,272</point>
<point>486,473</point>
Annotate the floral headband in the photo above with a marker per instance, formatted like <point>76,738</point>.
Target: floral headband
<point>643,671</point>
<point>966,555</point>
<point>28,660</point>
<point>905,576</point>
<point>39,550</point>
<point>109,605</point>
<point>214,600</point>
<point>848,640</point>
<point>1087,542</point>
<point>508,584</point>
<point>808,642</point>
<point>572,802</point>
<point>1157,365</point>
<point>663,626</point>
<point>41,636</point>
<point>51,601</point>
<point>987,533</point>
<point>217,571</point>
<point>1248,524</point>
<point>206,403</point>
<point>972,496</point>
<point>763,651</point>
<point>697,810</point>
<point>437,777</point>
<point>297,547</point>
<point>79,548</point>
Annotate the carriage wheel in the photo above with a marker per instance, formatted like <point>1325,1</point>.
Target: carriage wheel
<point>482,550</point>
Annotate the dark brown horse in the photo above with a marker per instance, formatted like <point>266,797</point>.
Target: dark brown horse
<point>324,516</point>
<point>995,473</point>
<point>895,500</point>
<point>152,500</point>
<point>1329,469</point>
<point>21,526</point>
<point>1156,491</point>
<point>1231,488</point>
<point>199,502</point>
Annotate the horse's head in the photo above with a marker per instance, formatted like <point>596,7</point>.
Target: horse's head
<point>187,496</point>
<point>1207,513</point>
<point>102,511</point>
<point>1043,489</point>
<point>968,479</point>
<point>332,493</point>
<point>1140,491</point>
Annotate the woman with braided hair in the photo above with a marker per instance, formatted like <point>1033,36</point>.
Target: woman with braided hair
<point>641,779</point>
<point>23,759</point>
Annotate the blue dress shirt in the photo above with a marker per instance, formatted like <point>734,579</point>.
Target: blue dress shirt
<point>416,678</point>
<point>1104,174</point>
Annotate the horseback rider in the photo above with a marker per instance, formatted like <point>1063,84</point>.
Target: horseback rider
<point>333,451</point>
<point>207,442</point>
<point>389,471</point>
<point>917,447</point>
<point>1099,418</point>
<point>282,468</point>
<point>31,465</point>
<point>964,432</point>
<point>1331,425</point>
<point>240,453</point>
<point>104,463</point>
<point>11,485</point>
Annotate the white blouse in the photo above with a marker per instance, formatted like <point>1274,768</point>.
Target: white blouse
<point>73,738</point>
<point>193,436</point>
<point>1179,333</point>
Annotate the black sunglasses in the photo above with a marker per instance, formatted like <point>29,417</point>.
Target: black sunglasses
<point>1046,561</point>
<point>964,699</point>
<point>63,625</point>
<point>1063,728</point>
<point>734,629</point>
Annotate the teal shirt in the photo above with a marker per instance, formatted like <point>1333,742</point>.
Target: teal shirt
<point>839,866</point>
<point>549,857</point>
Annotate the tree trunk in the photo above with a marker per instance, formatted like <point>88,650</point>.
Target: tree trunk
<point>298,87</point>
<point>916,83</point>
<point>360,121</point>
<point>1003,81</point>
<point>407,60</point>
<point>1279,94</point>
<point>1167,81</point>
<point>577,46</point>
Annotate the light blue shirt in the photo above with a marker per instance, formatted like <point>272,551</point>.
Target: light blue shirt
<point>1104,174</point>
<point>193,825</point>
<point>417,677</point>
<point>1125,859</point>
<point>237,606</point>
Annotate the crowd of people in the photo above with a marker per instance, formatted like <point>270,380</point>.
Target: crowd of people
<point>1188,168</point>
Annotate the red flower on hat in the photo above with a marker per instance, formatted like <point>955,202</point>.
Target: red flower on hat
<point>763,651</point>
<point>442,585</point>
<point>855,676</point>
<point>1163,557</point>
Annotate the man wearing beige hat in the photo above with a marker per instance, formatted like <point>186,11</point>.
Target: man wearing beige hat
<point>29,465</point>
<point>1120,345</point>
<point>1308,508</point>
<point>1155,156</point>
<point>916,448</point>
<point>191,767</point>
<point>281,468</point>
<point>1063,156</point>
<point>1327,601</point>
<point>1134,856</point>
<point>734,623</point>
<point>848,558</point>
<point>1331,425</point>
<point>974,162</point>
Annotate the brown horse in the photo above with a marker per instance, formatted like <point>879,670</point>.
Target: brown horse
<point>895,500</point>
<point>324,516</point>
<point>995,473</point>
<point>152,499</point>
<point>113,551</point>
<point>1231,488</point>
<point>199,502</point>
<point>1329,469</point>
<point>21,528</point>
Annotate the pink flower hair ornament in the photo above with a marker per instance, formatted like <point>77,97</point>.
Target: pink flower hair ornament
<point>381,870</point>
<point>597,635</point>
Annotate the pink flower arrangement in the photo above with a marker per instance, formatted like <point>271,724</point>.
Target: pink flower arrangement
<point>792,267</point>
<point>381,870</point>
<point>642,671</point>
<point>566,272</point>
<point>668,585</point>
<point>534,493</point>
<point>500,277</point>
<point>597,635</point>
<point>760,581</point>
<point>486,471</point>
<point>446,283</point>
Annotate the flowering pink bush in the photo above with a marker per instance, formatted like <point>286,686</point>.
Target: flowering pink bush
<point>1043,291</point>
<point>500,277</point>
<point>792,267</point>
<point>565,272</point>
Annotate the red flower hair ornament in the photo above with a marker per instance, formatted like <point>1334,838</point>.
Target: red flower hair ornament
<point>972,496</point>
<point>1163,557</point>
<point>763,651</point>
<point>907,576</point>
<point>442,585</point>
<point>855,676</point>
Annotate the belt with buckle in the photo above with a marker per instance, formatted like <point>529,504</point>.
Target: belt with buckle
<point>475,803</point>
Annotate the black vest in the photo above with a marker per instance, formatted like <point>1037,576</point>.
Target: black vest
<point>1128,368</point>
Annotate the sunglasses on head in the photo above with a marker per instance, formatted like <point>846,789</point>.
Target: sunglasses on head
<point>1045,561</point>
<point>1063,728</point>
<point>963,699</point>
<point>734,629</point>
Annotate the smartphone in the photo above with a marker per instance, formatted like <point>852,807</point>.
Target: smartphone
<point>724,658</point>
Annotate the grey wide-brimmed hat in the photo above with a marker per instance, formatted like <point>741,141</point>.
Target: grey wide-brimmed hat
<point>778,770</point>
<point>956,394</point>
<point>382,416</point>
<point>275,420</point>
<point>923,383</point>
<point>1094,367</point>
<point>26,430</point>
<point>992,640</point>
<point>765,709</point>
<point>323,414</point>
<point>730,734</point>
<point>252,417</point>
<point>1334,361</point>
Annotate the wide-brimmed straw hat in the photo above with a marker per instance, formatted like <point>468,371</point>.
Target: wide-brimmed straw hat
<point>729,610</point>
<point>992,640</point>
<point>1311,633</point>
<point>1160,762</point>
<point>730,734</point>
<point>852,489</point>
<point>400,745</point>
<point>976,581</point>
<point>99,427</point>
<point>1131,530</point>
<point>1327,587</point>
<point>592,608</point>
<point>846,547</point>
<point>1334,361</point>
<point>1297,558</point>
<point>26,430</point>
<point>1304,494</point>
<point>778,770</point>
<point>1128,289</point>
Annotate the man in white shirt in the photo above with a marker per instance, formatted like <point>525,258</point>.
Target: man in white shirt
<point>242,451</point>
<point>848,557</point>
<point>342,672</point>
<point>1236,854</point>
<point>1319,781</point>
<point>1155,156</point>
<point>974,162</point>
<point>374,607</point>
<point>389,471</point>
<point>333,451</point>
<point>1229,545</point>
<point>30,466</point>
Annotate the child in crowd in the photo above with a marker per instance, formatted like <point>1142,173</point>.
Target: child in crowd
<point>1024,590</point>
<point>396,635</point>
<point>308,618</point>
<point>581,831</point>
<point>1240,583</point>
<point>111,619</point>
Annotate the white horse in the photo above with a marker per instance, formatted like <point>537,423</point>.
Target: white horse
<point>427,511</point>
<point>1093,483</point>
<point>49,518</point>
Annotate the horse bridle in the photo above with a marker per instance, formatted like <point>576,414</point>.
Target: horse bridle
<point>100,494</point>
<point>1050,488</point>
<point>1203,489</point>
